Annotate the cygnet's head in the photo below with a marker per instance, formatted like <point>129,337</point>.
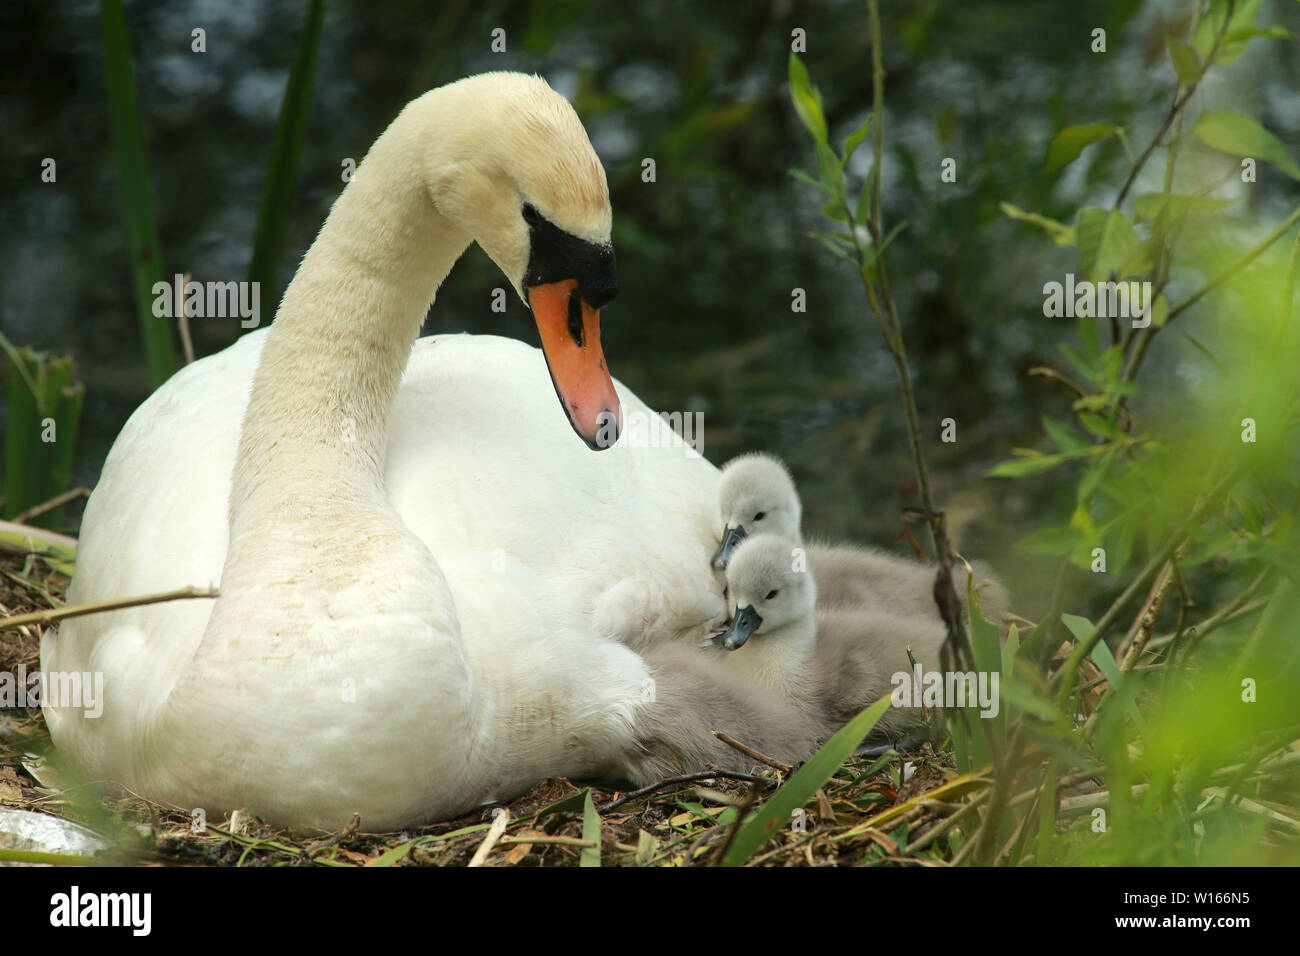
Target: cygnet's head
<point>756,494</point>
<point>770,589</point>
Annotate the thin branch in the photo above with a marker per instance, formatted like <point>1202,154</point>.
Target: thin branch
<point>99,607</point>
<point>37,510</point>
<point>886,313</point>
<point>1181,96</point>
<point>681,779</point>
<point>1047,371</point>
<point>750,752</point>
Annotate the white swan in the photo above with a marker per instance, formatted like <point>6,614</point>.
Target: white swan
<point>757,495</point>
<point>414,568</point>
<point>826,662</point>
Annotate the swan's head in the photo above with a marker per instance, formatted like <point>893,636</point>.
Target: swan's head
<point>770,588</point>
<point>755,493</point>
<point>512,166</point>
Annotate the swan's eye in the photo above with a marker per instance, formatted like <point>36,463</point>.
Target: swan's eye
<point>531,215</point>
<point>760,516</point>
<point>770,595</point>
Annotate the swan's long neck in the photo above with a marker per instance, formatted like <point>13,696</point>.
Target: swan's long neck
<point>334,356</point>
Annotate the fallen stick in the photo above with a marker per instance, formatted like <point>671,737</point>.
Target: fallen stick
<point>98,607</point>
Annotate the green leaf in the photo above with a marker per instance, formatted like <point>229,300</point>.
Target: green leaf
<point>829,166</point>
<point>1101,427</point>
<point>1240,135</point>
<point>143,247</point>
<point>1142,261</point>
<point>1107,240</point>
<point>862,211</point>
<point>282,175</point>
<point>889,236</point>
<point>803,177</point>
<point>807,102</point>
<point>983,633</point>
<point>391,857</point>
<point>1022,697</point>
<point>836,247</point>
<point>590,833</point>
<point>1070,142</point>
<point>1186,63</point>
<point>1009,651</point>
<point>805,782</point>
<point>1240,36</point>
<point>1091,402</point>
<point>1151,205</point>
<point>854,140</point>
<point>1119,546</point>
<point>835,211</point>
<point>1092,477</point>
<point>1081,361</point>
<point>1080,627</point>
<point>1031,464</point>
<point>1160,311</point>
<point>565,808</point>
<point>961,747</point>
<point>1057,541</point>
<point>1081,521</point>
<point>1060,233</point>
<point>646,847</point>
<point>1213,23</point>
<point>1065,438</point>
<point>1105,661</point>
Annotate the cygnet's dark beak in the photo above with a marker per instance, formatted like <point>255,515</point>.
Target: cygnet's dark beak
<point>730,538</point>
<point>745,623</point>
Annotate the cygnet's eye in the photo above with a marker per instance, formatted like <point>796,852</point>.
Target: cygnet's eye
<point>531,215</point>
<point>760,516</point>
<point>770,595</point>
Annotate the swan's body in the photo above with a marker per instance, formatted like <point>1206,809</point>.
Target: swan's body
<point>757,495</point>
<point>828,663</point>
<point>415,566</point>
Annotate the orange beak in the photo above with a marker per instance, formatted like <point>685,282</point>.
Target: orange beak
<point>570,331</point>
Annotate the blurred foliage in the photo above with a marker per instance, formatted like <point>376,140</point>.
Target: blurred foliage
<point>44,410</point>
<point>130,151</point>
<point>1192,737</point>
<point>710,252</point>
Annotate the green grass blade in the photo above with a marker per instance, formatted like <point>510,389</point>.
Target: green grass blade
<point>52,859</point>
<point>799,789</point>
<point>590,833</point>
<point>282,175</point>
<point>22,433</point>
<point>68,415</point>
<point>393,856</point>
<point>133,183</point>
